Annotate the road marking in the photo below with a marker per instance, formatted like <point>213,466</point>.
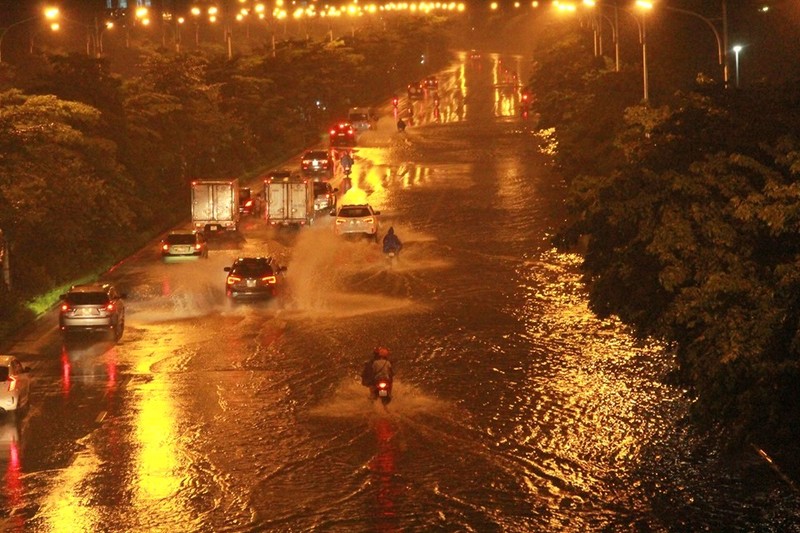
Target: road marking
<point>101,416</point>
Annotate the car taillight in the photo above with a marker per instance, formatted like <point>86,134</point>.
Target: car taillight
<point>110,307</point>
<point>12,383</point>
<point>333,132</point>
<point>198,246</point>
<point>65,308</point>
<point>340,221</point>
<point>248,203</point>
<point>382,384</point>
<point>165,247</point>
<point>369,220</point>
<point>233,279</point>
<point>269,279</point>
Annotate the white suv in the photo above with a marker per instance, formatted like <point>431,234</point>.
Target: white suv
<point>357,220</point>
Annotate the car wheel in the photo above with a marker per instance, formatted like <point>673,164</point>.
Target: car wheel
<point>118,329</point>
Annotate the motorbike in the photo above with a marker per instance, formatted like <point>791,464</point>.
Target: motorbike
<point>382,390</point>
<point>347,182</point>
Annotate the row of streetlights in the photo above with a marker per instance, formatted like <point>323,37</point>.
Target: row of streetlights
<point>248,8</point>
<point>643,7</point>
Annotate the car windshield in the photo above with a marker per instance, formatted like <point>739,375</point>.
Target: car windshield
<point>244,194</point>
<point>181,238</point>
<point>3,373</point>
<point>252,269</point>
<point>356,117</point>
<point>354,212</point>
<point>87,298</point>
<point>317,155</point>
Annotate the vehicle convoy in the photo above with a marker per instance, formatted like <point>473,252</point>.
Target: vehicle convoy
<point>92,307</point>
<point>215,205</point>
<point>289,201</point>
<point>253,278</point>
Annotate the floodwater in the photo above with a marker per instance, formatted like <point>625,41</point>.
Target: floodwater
<point>514,408</point>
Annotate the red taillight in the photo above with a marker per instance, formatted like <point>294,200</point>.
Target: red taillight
<point>198,246</point>
<point>368,220</point>
<point>306,162</point>
<point>110,307</point>
<point>248,203</point>
<point>394,102</point>
<point>12,383</point>
<point>165,247</point>
<point>382,384</point>
<point>269,279</point>
<point>333,132</point>
<point>64,308</point>
<point>233,279</point>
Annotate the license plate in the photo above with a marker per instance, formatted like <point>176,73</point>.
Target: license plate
<point>213,227</point>
<point>251,283</point>
<point>383,393</point>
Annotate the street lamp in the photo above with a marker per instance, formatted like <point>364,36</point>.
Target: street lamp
<point>50,13</point>
<point>645,6</point>
<point>736,50</point>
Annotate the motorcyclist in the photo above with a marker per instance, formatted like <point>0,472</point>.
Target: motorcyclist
<point>401,125</point>
<point>347,162</point>
<point>391,243</point>
<point>380,368</point>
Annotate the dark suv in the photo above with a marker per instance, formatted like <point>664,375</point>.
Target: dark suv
<point>317,163</point>
<point>93,307</point>
<point>253,278</point>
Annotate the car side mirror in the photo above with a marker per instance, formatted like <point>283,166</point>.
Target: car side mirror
<point>62,296</point>
<point>227,269</point>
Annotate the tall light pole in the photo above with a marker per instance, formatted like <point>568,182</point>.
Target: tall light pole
<point>644,6</point>
<point>50,13</point>
<point>736,50</point>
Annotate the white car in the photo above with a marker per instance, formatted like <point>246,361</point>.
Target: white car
<point>357,220</point>
<point>15,384</point>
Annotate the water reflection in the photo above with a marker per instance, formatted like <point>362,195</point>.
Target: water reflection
<point>383,476</point>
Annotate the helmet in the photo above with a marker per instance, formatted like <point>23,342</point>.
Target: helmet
<point>380,351</point>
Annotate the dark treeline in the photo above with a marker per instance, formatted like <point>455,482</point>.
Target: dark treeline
<point>94,164</point>
<point>688,214</point>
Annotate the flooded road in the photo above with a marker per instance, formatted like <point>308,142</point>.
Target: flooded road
<point>514,408</point>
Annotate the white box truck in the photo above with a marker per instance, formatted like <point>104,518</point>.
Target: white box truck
<point>290,201</point>
<point>215,205</point>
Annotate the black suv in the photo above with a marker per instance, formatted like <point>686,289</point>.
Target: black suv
<point>253,278</point>
<point>317,163</point>
<point>93,307</point>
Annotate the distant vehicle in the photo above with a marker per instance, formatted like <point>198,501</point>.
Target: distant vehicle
<point>343,135</point>
<point>474,54</point>
<point>358,219</point>
<point>253,278</point>
<point>324,195</point>
<point>317,164</point>
<point>184,244</point>
<point>362,118</point>
<point>15,385</point>
<point>93,307</point>
<point>249,203</point>
<point>215,205</point>
<point>289,201</point>
<point>431,83</point>
<point>415,91</point>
